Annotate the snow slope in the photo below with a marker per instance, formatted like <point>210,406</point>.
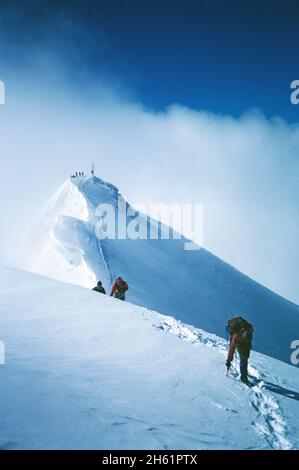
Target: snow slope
<point>193,286</point>
<point>84,371</point>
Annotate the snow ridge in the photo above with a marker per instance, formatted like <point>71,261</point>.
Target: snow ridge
<point>82,187</point>
<point>70,250</point>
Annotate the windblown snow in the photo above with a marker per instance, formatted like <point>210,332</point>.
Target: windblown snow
<point>195,287</point>
<point>85,371</point>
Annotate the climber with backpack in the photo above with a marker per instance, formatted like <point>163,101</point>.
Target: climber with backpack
<point>241,333</point>
<point>99,288</point>
<point>119,288</point>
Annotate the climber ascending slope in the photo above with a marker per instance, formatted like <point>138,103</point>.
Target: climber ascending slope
<point>241,337</point>
<point>119,288</point>
<point>99,288</point>
<point>76,246</point>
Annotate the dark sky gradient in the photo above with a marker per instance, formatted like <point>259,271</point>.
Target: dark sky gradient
<point>223,56</point>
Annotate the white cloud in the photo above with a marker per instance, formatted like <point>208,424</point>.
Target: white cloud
<point>245,171</point>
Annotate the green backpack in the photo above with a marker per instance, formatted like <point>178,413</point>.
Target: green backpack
<point>242,326</point>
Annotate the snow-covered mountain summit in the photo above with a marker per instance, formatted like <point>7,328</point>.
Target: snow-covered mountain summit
<point>193,286</point>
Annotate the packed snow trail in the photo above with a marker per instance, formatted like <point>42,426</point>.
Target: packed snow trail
<point>84,371</point>
<point>91,209</point>
<point>269,422</point>
<point>195,287</point>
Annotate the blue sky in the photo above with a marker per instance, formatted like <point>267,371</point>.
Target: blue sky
<point>175,101</point>
<point>225,56</point>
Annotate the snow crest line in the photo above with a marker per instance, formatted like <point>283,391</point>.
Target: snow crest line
<point>81,188</point>
<point>269,423</point>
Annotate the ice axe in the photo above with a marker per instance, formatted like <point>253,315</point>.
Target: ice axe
<point>228,362</point>
<point>227,367</point>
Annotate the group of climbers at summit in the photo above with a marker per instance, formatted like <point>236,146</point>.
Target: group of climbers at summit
<point>118,289</point>
<point>78,174</point>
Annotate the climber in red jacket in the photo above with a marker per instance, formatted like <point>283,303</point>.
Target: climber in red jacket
<point>241,339</point>
<point>119,288</point>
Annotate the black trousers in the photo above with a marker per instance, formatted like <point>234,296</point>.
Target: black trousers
<point>244,356</point>
<point>244,368</point>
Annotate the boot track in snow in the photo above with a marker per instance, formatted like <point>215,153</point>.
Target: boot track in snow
<point>269,423</point>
